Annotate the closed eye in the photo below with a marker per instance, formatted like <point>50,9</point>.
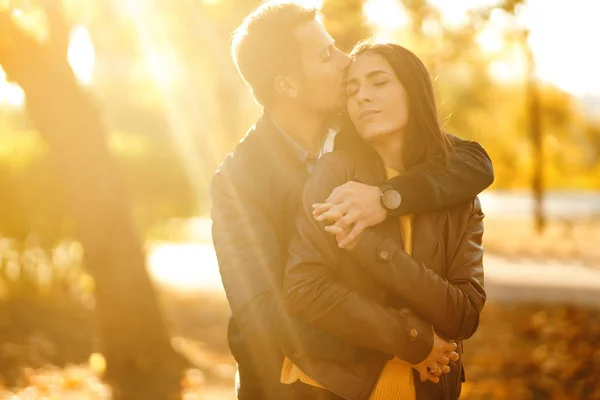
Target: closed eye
<point>351,91</point>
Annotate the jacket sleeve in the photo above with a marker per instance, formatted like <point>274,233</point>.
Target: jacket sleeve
<point>467,172</point>
<point>251,266</point>
<point>314,293</point>
<point>452,304</point>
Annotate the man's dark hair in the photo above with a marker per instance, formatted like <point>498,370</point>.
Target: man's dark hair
<point>265,45</point>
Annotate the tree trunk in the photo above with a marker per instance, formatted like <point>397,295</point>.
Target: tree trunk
<point>140,361</point>
<point>535,133</point>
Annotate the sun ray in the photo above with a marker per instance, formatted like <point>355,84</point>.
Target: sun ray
<point>183,109</point>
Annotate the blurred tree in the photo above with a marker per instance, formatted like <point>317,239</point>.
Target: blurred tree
<point>140,361</point>
<point>454,53</point>
<point>533,106</point>
<point>155,178</point>
<point>536,134</point>
<point>345,22</point>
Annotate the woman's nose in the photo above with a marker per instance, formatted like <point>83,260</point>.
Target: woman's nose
<point>363,95</point>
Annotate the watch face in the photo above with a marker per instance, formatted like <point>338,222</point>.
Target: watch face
<point>391,199</point>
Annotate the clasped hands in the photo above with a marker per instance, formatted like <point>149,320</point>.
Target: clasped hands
<point>350,209</point>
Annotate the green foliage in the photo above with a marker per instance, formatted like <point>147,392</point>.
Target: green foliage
<point>33,198</point>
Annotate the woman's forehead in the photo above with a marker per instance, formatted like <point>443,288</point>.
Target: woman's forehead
<point>369,64</point>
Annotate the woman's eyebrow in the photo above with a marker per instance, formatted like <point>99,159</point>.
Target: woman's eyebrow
<point>369,75</point>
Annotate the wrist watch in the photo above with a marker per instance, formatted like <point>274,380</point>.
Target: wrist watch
<point>390,198</point>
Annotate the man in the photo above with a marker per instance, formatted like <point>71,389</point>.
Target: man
<point>297,75</point>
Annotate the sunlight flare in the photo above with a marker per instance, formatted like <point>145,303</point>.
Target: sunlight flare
<point>11,94</point>
<point>81,54</point>
<point>184,113</point>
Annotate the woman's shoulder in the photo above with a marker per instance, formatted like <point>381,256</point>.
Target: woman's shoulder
<point>331,170</point>
<point>338,164</point>
<point>339,157</point>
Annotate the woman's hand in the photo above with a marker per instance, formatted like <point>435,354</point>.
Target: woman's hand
<point>437,361</point>
<point>353,207</point>
<point>341,236</point>
<point>328,212</point>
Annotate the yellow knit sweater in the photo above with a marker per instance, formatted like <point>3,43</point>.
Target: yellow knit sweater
<point>396,379</point>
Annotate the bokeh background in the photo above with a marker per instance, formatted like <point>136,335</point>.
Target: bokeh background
<point>115,114</point>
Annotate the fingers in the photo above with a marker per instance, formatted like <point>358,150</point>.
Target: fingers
<point>432,378</point>
<point>333,215</point>
<point>426,375</point>
<point>353,235</point>
<point>423,373</point>
<point>448,346</point>
<point>435,370</point>
<point>453,356</point>
<point>347,220</point>
<point>334,230</point>
<point>442,360</point>
<point>445,369</point>
<point>320,208</point>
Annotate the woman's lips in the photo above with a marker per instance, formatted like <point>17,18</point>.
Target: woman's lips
<point>366,113</point>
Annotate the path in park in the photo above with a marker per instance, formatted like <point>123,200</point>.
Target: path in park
<point>193,267</point>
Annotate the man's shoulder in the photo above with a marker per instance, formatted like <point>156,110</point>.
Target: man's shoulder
<point>246,166</point>
<point>246,155</point>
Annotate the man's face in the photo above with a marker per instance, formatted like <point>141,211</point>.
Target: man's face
<point>321,85</point>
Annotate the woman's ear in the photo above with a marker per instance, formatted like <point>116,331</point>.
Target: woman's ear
<point>287,87</point>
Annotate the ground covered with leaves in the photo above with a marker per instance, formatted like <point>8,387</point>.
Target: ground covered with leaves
<point>521,351</point>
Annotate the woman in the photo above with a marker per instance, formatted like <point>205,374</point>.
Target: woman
<point>427,264</point>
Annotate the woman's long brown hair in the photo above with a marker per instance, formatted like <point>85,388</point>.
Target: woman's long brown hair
<point>424,138</point>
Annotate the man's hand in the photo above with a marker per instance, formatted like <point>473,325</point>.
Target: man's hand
<point>340,235</point>
<point>437,362</point>
<point>353,207</point>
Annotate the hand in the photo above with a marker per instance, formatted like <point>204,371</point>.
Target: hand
<point>353,207</point>
<point>340,235</point>
<point>437,362</point>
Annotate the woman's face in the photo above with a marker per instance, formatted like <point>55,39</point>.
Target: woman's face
<point>377,102</point>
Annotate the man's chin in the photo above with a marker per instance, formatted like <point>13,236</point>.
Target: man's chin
<point>331,111</point>
<point>340,106</point>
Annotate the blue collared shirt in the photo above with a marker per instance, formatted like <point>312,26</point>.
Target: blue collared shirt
<point>304,155</point>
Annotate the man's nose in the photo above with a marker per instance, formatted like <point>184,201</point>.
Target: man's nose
<point>344,61</point>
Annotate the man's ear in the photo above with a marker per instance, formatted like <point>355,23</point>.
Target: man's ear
<point>286,86</point>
